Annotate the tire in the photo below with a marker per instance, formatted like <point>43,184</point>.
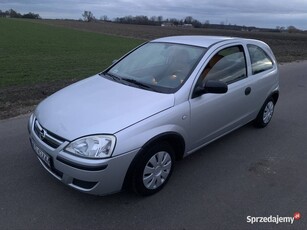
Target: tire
<point>153,169</point>
<point>265,114</point>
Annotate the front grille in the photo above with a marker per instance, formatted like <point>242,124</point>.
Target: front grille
<point>46,136</point>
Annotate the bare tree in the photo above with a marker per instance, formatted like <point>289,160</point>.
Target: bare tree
<point>153,18</point>
<point>292,29</point>
<point>160,19</point>
<point>104,18</point>
<point>188,20</point>
<point>88,16</point>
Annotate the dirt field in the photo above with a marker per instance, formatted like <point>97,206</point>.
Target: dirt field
<point>287,47</point>
<point>19,100</point>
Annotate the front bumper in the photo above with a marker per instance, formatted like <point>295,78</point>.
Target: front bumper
<point>93,176</point>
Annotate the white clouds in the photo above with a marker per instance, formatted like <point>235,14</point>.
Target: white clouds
<point>265,13</point>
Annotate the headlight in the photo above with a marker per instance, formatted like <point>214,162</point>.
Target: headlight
<point>98,146</point>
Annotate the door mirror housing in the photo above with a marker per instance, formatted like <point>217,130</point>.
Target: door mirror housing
<point>218,87</point>
<point>211,86</point>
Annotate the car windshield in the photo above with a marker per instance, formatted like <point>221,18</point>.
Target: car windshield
<point>161,67</point>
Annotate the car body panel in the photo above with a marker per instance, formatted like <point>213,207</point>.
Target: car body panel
<point>103,180</point>
<point>173,120</point>
<point>103,106</point>
<point>214,114</point>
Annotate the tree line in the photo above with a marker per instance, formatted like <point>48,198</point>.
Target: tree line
<point>144,20</point>
<point>187,21</point>
<point>158,20</point>
<point>13,14</point>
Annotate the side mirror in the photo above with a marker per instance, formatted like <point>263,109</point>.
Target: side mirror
<point>211,86</point>
<point>218,87</point>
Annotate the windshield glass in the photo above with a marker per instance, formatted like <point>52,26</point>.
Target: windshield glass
<point>163,67</point>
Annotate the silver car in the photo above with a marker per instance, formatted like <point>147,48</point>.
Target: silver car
<point>126,126</point>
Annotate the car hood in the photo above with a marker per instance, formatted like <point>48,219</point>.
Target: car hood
<point>98,106</point>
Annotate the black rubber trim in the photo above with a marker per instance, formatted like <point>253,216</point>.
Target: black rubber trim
<point>79,166</point>
<point>84,184</point>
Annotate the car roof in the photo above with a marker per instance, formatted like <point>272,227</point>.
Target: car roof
<point>202,41</point>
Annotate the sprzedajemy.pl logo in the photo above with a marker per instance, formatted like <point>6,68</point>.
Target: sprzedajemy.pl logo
<point>273,219</point>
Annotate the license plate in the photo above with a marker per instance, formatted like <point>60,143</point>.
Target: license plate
<point>42,155</point>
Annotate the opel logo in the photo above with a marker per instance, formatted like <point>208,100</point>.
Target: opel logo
<point>42,134</point>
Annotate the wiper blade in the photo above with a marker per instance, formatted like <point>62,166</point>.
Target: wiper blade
<point>128,80</point>
<point>114,77</point>
<point>140,84</point>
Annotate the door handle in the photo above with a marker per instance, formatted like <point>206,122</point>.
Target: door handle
<point>248,90</point>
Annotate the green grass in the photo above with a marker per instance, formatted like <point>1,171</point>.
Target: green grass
<point>31,52</point>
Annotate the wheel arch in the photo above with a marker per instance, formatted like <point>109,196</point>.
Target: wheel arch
<point>258,121</point>
<point>175,140</point>
<point>275,96</point>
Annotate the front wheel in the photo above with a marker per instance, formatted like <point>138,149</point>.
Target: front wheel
<point>153,169</point>
<point>266,113</point>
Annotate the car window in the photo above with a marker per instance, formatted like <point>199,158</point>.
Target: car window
<point>163,67</point>
<point>228,65</point>
<point>157,57</point>
<point>259,59</point>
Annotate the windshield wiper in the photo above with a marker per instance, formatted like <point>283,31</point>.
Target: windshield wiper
<point>128,80</point>
<point>140,84</point>
<point>114,77</point>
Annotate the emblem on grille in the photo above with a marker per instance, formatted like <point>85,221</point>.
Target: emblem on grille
<point>42,134</point>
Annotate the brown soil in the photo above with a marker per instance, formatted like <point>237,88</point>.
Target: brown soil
<point>18,100</point>
<point>287,47</point>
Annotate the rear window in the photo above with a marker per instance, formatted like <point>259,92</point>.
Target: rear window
<point>260,59</point>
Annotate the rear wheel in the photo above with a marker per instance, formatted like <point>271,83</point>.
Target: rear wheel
<point>153,169</point>
<point>266,113</point>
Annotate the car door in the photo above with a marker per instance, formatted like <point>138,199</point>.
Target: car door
<point>213,115</point>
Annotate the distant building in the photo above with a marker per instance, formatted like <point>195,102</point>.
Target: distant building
<point>188,25</point>
<point>167,24</point>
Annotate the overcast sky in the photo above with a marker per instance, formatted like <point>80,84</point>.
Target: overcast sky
<point>260,13</point>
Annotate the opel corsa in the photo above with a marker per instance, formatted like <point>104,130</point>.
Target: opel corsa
<point>126,126</point>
